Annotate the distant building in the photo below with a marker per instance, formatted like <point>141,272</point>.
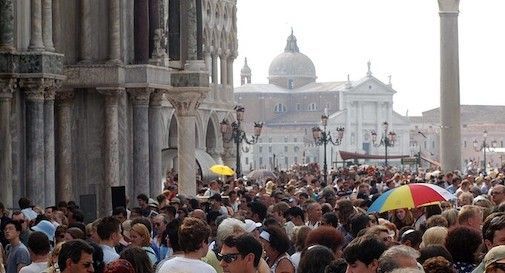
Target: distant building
<point>292,103</point>
<point>475,119</point>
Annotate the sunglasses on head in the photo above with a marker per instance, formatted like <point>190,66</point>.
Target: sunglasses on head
<point>228,258</point>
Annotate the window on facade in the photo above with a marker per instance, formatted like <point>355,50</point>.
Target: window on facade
<point>296,159</point>
<point>290,84</point>
<point>295,139</point>
<point>247,160</point>
<point>270,161</point>
<point>307,160</point>
<point>296,149</point>
<point>269,149</point>
<point>280,108</point>
<point>328,106</point>
<point>312,106</point>
<point>425,145</point>
<point>298,107</point>
<point>433,144</point>
<point>260,140</point>
<point>260,149</point>
<point>285,149</point>
<point>285,139</point>
<point>286,160</point>
<point>501,143</point>
<point>261,161</point>
<point>269,140</point>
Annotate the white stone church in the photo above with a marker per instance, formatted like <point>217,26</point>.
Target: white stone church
<point>292,103</point>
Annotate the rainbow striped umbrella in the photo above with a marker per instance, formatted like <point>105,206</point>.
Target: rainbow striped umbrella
<point>410,196</point>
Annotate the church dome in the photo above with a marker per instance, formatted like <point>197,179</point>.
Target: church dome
<point>291,68</point>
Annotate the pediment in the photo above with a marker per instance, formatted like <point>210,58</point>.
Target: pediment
<point>371,85</point>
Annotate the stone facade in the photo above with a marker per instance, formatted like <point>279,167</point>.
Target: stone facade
<point>293,102</point>
<point>475,119</point>
<point>102,93</point>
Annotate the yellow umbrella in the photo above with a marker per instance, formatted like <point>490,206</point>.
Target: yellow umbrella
<point>222,170</point>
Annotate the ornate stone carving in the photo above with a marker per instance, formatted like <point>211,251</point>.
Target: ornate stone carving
<point>111,94</point>
<point>186,102</point>
<point>156,97</point>
<point>65,95</point>
<point>159,54</point>
<point>6,26</point>
<point>34,88</point>
<point>7,87</point>
<point>140,96</point>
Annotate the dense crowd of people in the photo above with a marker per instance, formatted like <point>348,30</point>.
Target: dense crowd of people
<point>295,222</point>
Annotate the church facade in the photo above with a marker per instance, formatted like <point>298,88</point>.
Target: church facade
<point>96,94</point>
<point>292,104</point>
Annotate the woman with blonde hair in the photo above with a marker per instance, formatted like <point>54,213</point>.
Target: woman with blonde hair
<point>452,216</point>
<point>434,236</point>
<point>139,236</point>
<point>52,262</point>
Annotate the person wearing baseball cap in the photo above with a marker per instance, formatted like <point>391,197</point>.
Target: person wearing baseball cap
<point>494,261</point>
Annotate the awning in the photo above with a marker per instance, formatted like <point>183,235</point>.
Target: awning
<point>203,161</point>
<point>348,155</point>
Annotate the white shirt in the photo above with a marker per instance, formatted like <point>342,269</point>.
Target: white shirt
<point>109,254</point>
<point>34,268</point>
<point>185,265</point>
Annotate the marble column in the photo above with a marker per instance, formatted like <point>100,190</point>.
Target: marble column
<point>114,32</point>
<point>192,28</point>
<point>450,131</point>
<point>34,95</point>
<point>141,33</point>
<point>57,26</point>
<point>7,87</point>
<point>64,105</point>
<point>223,71</point>
<point>36,43</point>
<point>186,101</point>
<point>140,101</point>
<point>347,139</point>
<point>111,147</point>
<point>155,143</point>
<point>229,70</point>
<point>6,25</point>
<point>47,24</point>
<point>154,21</point>
<point>213,72</point>
<point>359,131</point>
<point>85,44</point>
<point>49,182</point>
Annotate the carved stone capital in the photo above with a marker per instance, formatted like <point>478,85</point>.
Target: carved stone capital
<point>156,97</point>
<point>111,94</point>
<point>34,88</point>
<point>140,96</point>
<point>65,95</point>
<point>7,87</point>
<point>448,6</point>
<point>186,100</point>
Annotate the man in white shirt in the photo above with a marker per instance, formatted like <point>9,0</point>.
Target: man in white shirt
<point>108,231</point>
<point>39,247</point>
<point>314,214</point>
<point>193,239</point>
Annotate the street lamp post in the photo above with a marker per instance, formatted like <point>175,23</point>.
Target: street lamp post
<point>233,132</point>
<point>483,146</point>
<point>323,137</point>
<point>387,140</point>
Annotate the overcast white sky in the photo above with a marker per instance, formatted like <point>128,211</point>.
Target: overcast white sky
<point>400,37</point>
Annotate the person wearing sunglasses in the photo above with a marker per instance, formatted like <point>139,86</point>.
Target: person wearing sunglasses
<point>76,256</point>
<point>240,254</point>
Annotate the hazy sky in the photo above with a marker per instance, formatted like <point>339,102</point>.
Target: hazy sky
<point>399,37</point>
